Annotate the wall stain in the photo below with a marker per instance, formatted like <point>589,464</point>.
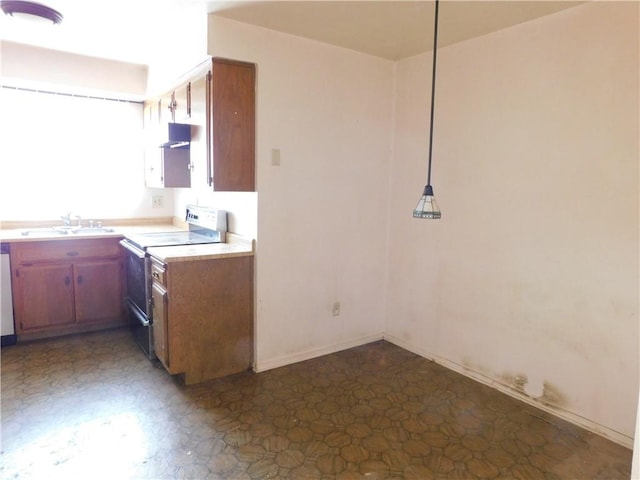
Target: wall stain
<point>514,382</point>
<point>552,396</point>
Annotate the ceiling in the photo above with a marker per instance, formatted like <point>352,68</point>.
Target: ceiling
<point>388,29</point>
<point>130,30</point>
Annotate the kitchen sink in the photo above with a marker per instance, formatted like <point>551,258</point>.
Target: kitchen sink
<point>59,231</point>
<point>85,230</point>
<point>45,232</point>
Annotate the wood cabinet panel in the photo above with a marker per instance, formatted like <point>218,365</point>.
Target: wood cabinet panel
<point>65,250</point>
<point>67,286</point>
<point>98,290</point>
<point>159,327</point>
<point>43,296</point>
<point>207,317</point>
<point>158,272</point>
<point>176,167</point>
<point>233,125</point>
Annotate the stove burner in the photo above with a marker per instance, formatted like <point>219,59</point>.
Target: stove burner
<point>167,239</point>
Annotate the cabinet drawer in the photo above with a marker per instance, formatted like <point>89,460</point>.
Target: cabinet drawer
<point>48,251</point>
<point>158,272</point>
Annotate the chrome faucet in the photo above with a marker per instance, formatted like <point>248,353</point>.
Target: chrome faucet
<point>66,219</point>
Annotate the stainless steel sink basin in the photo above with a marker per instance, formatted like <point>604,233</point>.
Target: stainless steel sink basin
<point>59,231</point>
<point>45,232</point>
<point>85,230</point>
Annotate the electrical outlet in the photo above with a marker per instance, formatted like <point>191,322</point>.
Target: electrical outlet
<point>336,309</point>
<point>157,201</point>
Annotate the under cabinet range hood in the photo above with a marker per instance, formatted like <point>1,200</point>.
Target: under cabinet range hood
<point>176,135</point>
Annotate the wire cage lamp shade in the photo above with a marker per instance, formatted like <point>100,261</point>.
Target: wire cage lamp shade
<point>427,206</point>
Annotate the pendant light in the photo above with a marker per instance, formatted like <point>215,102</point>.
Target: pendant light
<point>427,206</point>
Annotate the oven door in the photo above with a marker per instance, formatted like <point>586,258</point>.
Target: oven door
<point>141,329</point>
<point>138,271</point>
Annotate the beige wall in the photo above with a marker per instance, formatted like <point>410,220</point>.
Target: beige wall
<point>530,280</point>
<point>532,273</point>
<point>322,213</point>
<point>27,65</point>
<point>531,276</point>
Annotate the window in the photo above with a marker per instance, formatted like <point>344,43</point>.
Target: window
<point>62,153</point>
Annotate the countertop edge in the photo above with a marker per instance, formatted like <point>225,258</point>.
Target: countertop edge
<point>235,246</point>
<point>118,231</point>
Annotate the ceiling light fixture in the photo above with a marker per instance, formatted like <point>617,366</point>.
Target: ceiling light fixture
<point>17,8</point>
<point>427,206</point>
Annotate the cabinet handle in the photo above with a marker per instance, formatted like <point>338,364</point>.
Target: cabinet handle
<point>67,280</point>
<point>172,106</point>
<point>209,128</point>
<point>189,100</point>
<point>79,279</point>
<point>155,275</point>
<point>72,253</point>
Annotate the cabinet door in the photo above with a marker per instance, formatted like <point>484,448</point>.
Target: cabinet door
<point>98,290</point>
<point>176,169</point>
<point>159,326</point>
<point>166,109</point>
<point>199,137</point>
<point>152,157</point>
<point>43,296</point>
<point>153,176</point>
<point>182,97</point>
<point>233,125</point>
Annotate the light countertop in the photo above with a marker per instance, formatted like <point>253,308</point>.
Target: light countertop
<point>236,246</point>
<point>39,232</point>
<point>189,253</point>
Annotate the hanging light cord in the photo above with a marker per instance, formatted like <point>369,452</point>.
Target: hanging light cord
<point>433,90</point>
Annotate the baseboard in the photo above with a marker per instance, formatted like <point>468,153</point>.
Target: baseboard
<point>272,363</point>
<point>594,427</point>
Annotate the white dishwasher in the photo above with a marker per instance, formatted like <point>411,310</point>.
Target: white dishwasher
<point>7,330</point>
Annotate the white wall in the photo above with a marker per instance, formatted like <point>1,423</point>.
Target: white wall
<point>179,37</point>
<point>29,66</point>
<point>533,270</point>
<point>322,213</point>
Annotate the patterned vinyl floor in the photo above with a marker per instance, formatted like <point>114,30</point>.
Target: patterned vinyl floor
<point>94,407</point>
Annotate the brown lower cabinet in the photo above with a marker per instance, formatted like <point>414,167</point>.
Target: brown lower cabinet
<point>66,286</point>
<point>203,316</point>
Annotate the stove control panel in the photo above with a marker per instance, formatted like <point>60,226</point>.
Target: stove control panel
<point>210,218</point>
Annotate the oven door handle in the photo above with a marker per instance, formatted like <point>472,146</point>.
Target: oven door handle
<point>142,318</point>
<point>135,250</point>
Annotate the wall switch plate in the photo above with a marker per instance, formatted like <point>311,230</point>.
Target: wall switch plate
<point>157,201</point>
<point>335,310</point>
<point>275,157</point>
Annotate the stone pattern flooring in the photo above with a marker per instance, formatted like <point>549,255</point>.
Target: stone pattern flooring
<point>93,407</point>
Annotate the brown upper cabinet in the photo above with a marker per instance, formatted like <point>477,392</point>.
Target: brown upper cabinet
<point>218,101</point>
<point>232,114</point>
